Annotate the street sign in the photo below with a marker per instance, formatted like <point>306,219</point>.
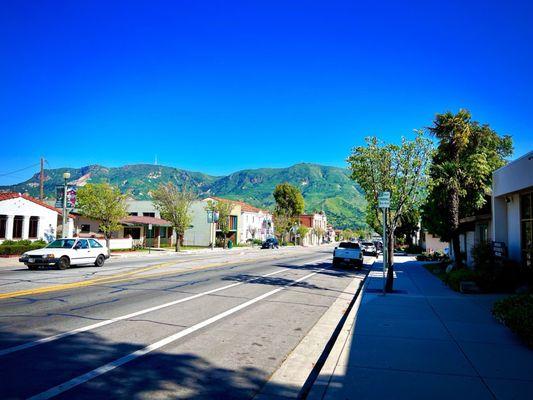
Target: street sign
<point>71,196</point>
<point>384,200</point>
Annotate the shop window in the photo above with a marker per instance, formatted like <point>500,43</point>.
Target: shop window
<point>135,233</point>
<point>34,227</point>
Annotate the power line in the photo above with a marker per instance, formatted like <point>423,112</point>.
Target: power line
<point>19,170</point>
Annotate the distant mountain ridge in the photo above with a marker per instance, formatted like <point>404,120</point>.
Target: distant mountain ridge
<point>323,187</point>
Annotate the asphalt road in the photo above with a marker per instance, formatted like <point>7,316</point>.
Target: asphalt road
<point>214,327</point>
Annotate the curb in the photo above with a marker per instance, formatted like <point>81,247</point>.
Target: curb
<point>303,366</point>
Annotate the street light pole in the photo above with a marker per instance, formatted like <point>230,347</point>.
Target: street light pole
<point>66,176</point>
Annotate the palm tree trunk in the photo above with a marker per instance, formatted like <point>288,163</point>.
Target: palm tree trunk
<point>454,222</point>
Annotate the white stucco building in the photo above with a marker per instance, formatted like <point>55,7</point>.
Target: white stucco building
<point>24,217</point>
<point>255,223</point>
<point>512,198</point>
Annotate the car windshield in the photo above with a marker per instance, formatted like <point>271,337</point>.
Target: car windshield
<point>349,245</point>
<point>61,244</point>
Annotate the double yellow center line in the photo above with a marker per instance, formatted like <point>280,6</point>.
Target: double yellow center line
<point>121,277</point>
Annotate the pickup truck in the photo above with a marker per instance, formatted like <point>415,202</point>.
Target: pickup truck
<point>348,253</point>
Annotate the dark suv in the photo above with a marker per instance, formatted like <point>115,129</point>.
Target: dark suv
<point>270,243</point>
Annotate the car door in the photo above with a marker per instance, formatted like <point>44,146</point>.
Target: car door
<point>96,248</point>
<point>82,252</point>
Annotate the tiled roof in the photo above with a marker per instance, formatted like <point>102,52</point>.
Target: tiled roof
<point>12,195</point>
<point>140,220</point>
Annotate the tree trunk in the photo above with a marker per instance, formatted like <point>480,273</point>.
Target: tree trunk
<point>454,222</point>
<point>178,243</point>
<point>108,244</point>
<point>456,246</point>
<point>389,285</point>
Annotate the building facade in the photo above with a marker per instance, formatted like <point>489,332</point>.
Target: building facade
<point>25,218</point>
<point>317,224</point>
<point>512,214</point>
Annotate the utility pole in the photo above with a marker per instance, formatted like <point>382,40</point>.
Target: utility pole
<point>66,176</point>
<point>41,180</point>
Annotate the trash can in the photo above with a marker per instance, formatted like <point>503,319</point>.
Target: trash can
<point>230,244</point>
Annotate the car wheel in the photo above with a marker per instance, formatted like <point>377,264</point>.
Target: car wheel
<point>99,261</point>
<point>63,263</point>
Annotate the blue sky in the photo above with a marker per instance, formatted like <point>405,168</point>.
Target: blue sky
<point>222,86</point>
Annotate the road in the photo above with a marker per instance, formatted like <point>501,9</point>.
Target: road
<point>201,326</point>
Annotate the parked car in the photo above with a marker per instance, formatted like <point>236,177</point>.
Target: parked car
<point>369,248</point>
<point>62,253</point>
<point>348,253</point>
<point>270,243</point>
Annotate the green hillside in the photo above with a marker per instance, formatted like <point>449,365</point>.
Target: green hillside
<point>323,187</point>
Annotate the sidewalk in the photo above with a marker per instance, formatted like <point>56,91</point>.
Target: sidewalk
<point>424,342</point>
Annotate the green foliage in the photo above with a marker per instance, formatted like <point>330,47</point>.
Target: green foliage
<point>104,203</point>
<point>289,200</point>
<point>174,205</point>
<point>460,175</point>
<point>323,187</point>
<point>11,247</point>
<point>456,276</point>
<point>399,169</point>
<point>517,313</point>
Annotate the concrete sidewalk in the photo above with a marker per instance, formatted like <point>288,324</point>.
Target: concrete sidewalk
<point>424,342</point>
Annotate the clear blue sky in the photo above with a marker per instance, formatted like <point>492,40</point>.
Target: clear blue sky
<point>221,86</point>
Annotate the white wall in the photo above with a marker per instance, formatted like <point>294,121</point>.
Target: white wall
<point>20,206</point>
<point>506,183</point>
<point>514,176</point>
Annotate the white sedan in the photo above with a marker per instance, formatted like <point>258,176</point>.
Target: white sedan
<point>62,253</point>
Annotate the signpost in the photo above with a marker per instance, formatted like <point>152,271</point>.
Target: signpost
<point>212,218</point>
<point>151,237</point>
<point>384,204</point>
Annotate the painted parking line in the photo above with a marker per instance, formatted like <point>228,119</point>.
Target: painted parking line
<point>52,338</point>
<point>56,390</point>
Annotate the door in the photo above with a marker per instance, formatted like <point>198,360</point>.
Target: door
<point>82,253</point>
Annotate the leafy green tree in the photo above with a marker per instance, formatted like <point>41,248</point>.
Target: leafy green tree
<point>174,205</point>
<point>289,205</point>
<point>104,203</point>
<point>408,226</point>
<point>302,233</point>
<point>289,199</point>
<point>398,169</point>
<point>224,208</point>
<point>461,173</point>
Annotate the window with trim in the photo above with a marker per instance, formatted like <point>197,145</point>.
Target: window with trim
<point>17,226</point>
<point>85,228</point>
<point>133,214</point>
<point>3,224</point>
<point>483,233</point>
<point>148,214</point>
<point>34,227</point>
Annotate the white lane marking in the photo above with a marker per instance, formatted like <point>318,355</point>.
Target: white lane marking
<point>56,390</point>
<point>48,339</point>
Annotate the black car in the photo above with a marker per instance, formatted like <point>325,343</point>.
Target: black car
<point>270,243</point>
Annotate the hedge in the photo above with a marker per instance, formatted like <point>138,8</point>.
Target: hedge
<point>517,313</point>
<point>11,247</point>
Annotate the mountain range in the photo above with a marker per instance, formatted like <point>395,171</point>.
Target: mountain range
<point>323,187</point>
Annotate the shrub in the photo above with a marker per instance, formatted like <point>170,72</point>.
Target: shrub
<point>455,277</point>
<point>11,247</point>
<point>517,313</point>
<point>413,249</point>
